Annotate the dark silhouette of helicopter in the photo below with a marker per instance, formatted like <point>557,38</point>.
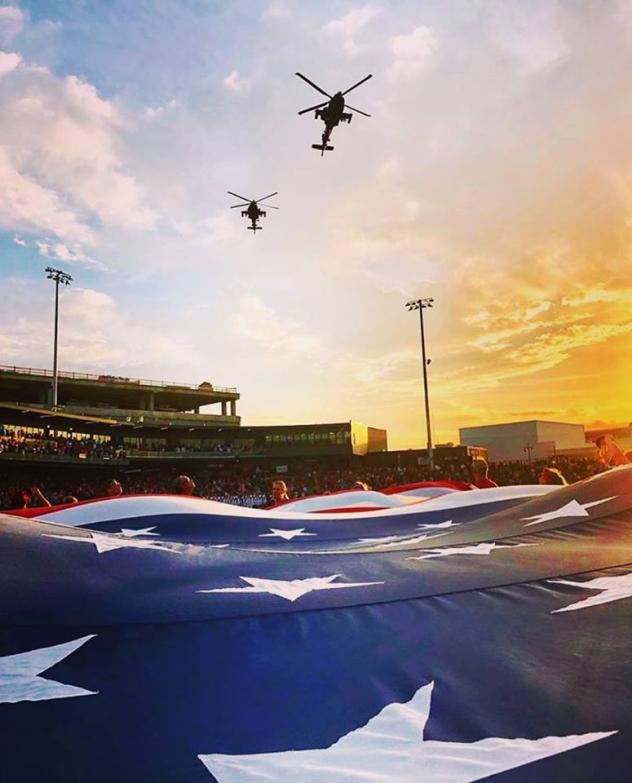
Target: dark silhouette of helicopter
<point>331,112</point>
<point>253,212</point>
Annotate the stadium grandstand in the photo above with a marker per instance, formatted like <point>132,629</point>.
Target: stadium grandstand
<point>145,433</point>
<point>101,418</point>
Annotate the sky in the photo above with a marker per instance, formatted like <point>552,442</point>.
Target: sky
<point>494,175</point>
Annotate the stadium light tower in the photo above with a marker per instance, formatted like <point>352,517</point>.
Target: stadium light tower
<point>421,304</point>
<point>65,279</point>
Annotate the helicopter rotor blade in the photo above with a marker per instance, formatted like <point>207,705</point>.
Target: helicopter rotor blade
<point>240,205</point>
<point>366,79</point>
<point>311,108</point>
<point>356,110</point>
<point>263,198</point>
<point>269,206</point>
<point>315,86</point>
<point>236,195</point>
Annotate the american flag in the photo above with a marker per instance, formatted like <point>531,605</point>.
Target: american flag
<point>479,635</point>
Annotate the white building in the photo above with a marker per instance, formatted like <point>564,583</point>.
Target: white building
<point>523,440</point>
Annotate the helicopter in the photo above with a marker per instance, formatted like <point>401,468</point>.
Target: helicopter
<point>331,112</point>
<point>253,211</point>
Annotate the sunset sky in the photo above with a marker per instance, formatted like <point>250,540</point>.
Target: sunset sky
<point>494,175</point>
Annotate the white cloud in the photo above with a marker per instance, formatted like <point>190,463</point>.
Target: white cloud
<point>277,11</point>
<point>412,53</point>
<point>8,62</point>
<point>95,333</point>
<point>261,324</point>
<point>350,25</point>
<point>235,82</point>
<point>27,206</point>
<point>531,35</point>
<point>11,22</point>
<point>153,112</point>
<point>17,240</point>
<point>62,252</point>
<point>60,146</point>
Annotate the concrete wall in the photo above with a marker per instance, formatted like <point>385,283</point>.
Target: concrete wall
<point>565,436</point>
<point>505,442</point>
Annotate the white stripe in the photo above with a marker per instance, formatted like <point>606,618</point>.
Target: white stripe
<point>138,507</point>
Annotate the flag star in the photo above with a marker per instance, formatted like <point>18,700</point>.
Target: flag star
<point>106,543</point>
<point>474,549</point>
<point>429,525</point>
<point>570,509</point>
<point>290,590</point>
<point>611,588</point>
<point>387,542</point>
<point>287,535</point>
<point>391,748</point>
<point>20,674</point>
<point>141,531</point>
<point>382,540</point>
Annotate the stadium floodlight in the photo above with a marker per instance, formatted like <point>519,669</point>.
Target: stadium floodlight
<point>421,305</point>
<point>62,278</point>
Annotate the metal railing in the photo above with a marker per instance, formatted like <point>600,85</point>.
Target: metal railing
<point>85,376</point>
<point>17,456</point>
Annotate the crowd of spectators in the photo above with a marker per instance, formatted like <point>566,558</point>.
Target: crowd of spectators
<point>254,487</point>
<point>18,441</point>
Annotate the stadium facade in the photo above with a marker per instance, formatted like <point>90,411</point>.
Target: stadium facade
<point>157,421</point>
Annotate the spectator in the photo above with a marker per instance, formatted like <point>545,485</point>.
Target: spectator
<point>69,500</point>
<point>185,485</point>
<point>480,479</point>
<point>360,485</point>
<point>279,491</point>
<point>552,476</point>
<point>20,499</point>
<point>38,498</point>
<point>114,489</point>
<point>610,453</point>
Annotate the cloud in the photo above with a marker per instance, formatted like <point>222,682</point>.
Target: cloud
<point>235,82</point>
<point>153,112</point>
<point>19,241</point>
<point>262,325</point>
<point>27,206</point>
<point>62,252</point>
<point>412,53</point>
<point>11,22</point>
<point>532,36</point>
<point>350,25</point>
<point>8,62</point>
<point>95,333</point>
<point>277,11</point>
<point>60,159</point>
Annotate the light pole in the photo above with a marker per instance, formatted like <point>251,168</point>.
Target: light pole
<point>421,304</point>
<point>65,279</point>
<point>528,449</point>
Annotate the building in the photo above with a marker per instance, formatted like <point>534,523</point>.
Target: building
<point>144,421</point>
<point>122,399</point>
<point>528,440</point>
